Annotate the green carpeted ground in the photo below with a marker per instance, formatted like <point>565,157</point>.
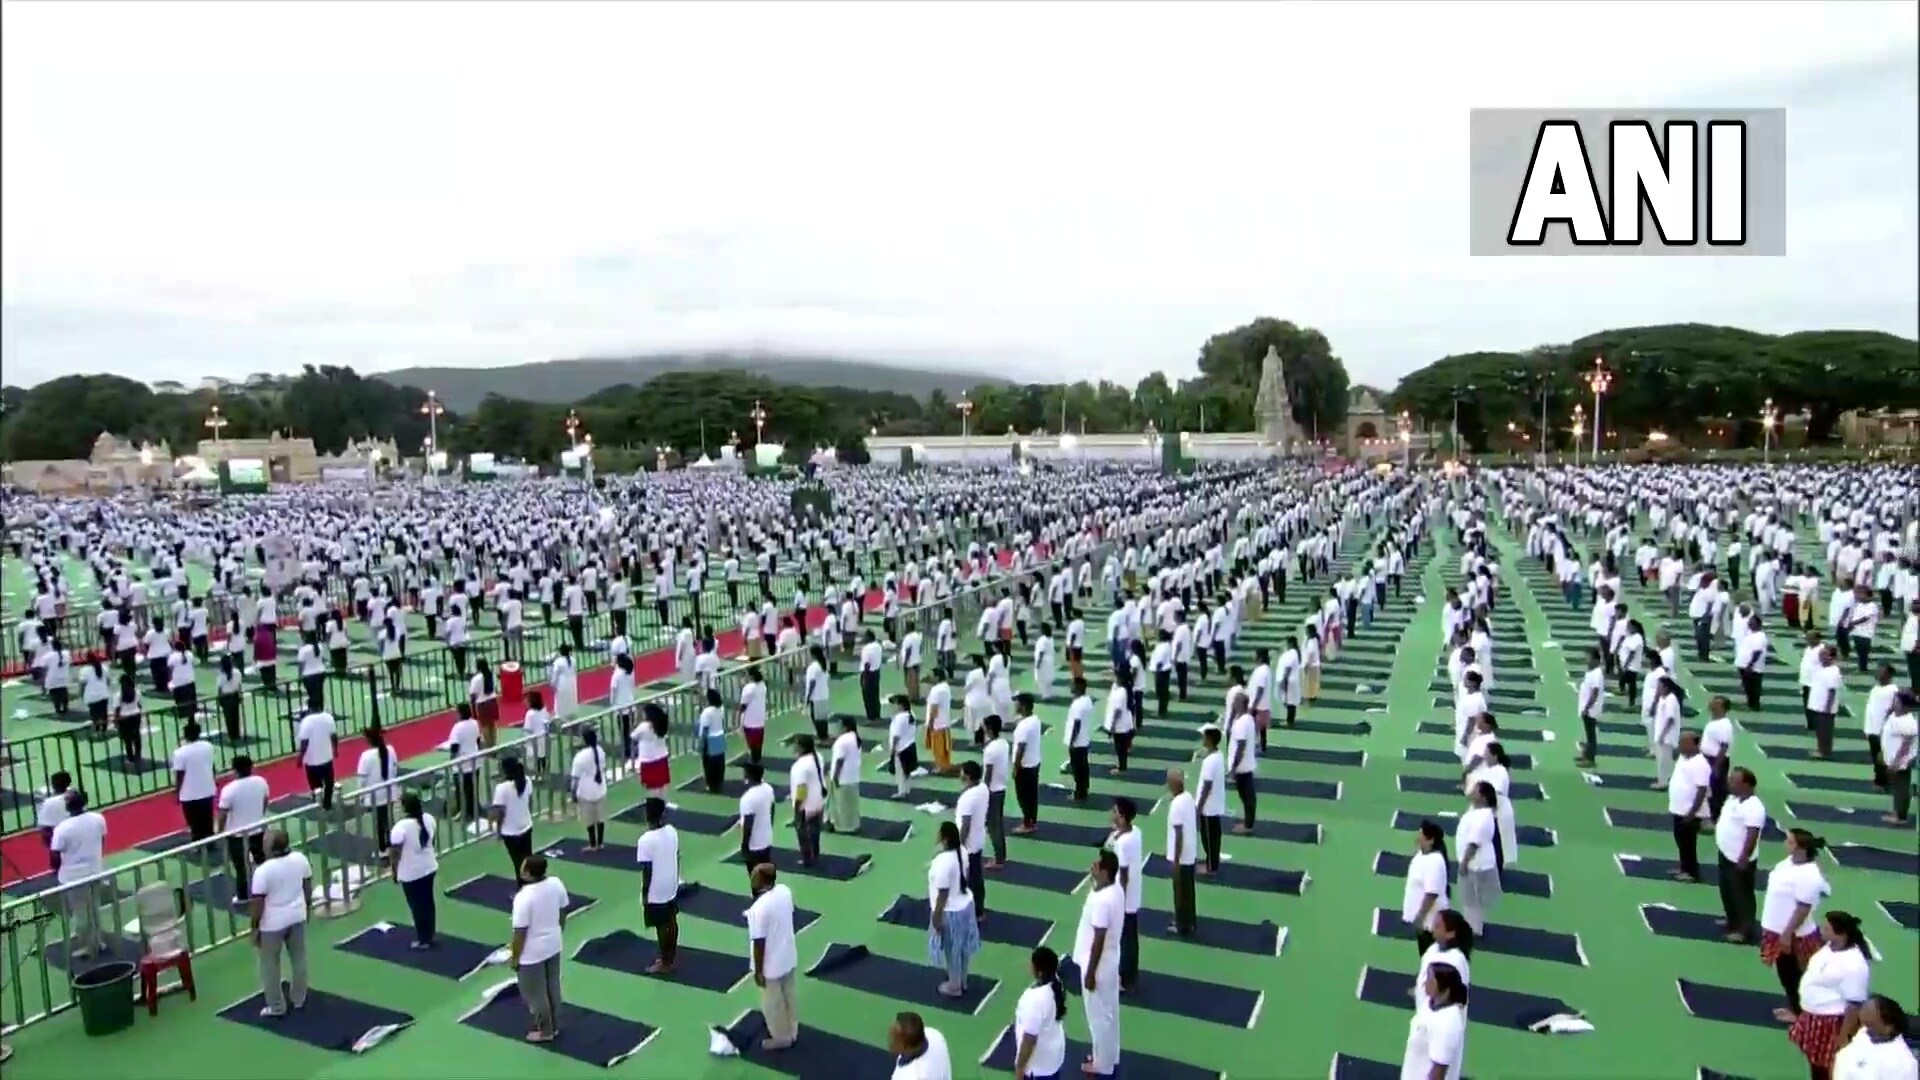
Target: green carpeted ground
<point>1308,1009</point>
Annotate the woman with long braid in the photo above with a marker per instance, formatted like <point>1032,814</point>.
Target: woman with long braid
<point>410,854</point>
<point>378,766</point>
<point>512,811</point>
<point>589,778</point>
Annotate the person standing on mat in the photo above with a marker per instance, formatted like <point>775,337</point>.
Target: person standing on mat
<point>993,768</point>
<point>1096,952</point>
<point>1079,738</point>
<point>872,661</point>
<point>76,850</point>
<point>588,775</point>
<point>193,781</point>
<point>242,806</point>
<point>710,734</point>
<point>1119,722</point>
<point>1212,800</point>
<point>939,713</point>
<point>1789,933</point>
<point>1039,1039</point>
<point>1832,991</point>
<point>843,783</point>
<point>539,926</point>
<point>775,959</point>
<point>1260,691</point>
<point>414,863</point>
<point>1129,850</point>
<point>970,815</point>
<point>1437,1037</point>
<point>1736,839</point>
<point>953,928</point>
<point>1182,853</point>
<point>902,755</point>
<point>1026,758</point>
<point>807,781</point>
<point>1879,706</point>
<point>1689,793</point>
<point>1823,701</point>
<point>1476,835</point>
<point>658,853</point>
<point>1901,738</point>
<point>1592,699</point>
<point>1878,1049</point>
<point>756,817</point>
<point>1426,894</point>
<point>1750,660</point>
<point>1451,944</point>
<point>512,811</point>
<point>282,901</point>
<point>318,741</point>
<point>1242,756</point>
<point>1717,737</point>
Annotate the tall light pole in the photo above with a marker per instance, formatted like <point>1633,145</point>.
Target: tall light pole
<point>966,435</point>
<point>216,423</point>
<point>759,418</point>
<point>1406,440</point>
<point>1579,428</point>
<point>1455,436</point>
<point>1599,379</point>
<point>1769,417</point>
<point>432,410</point>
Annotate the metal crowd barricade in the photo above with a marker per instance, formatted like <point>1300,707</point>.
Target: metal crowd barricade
<point>204,881</point>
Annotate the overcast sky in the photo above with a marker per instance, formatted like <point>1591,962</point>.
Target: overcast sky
<point>1076,191</point>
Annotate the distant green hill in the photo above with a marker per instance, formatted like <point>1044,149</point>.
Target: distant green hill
<point>568,381</point>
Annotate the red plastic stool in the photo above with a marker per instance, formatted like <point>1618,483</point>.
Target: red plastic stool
<point>150,969</point>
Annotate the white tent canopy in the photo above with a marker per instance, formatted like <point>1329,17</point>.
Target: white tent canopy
<point>200,474</point>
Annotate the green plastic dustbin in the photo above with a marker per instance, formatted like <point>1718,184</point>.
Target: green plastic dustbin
<point>104,994</point>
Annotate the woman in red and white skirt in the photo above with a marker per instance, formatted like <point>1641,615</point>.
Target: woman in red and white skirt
<point>1789,932</point>
<point>1832,991</point>
<point>484,696</point>
<point>650,749</point>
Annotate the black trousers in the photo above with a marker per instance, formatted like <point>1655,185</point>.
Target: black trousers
<point>1163,691</point>
<point>1823,733</point>
<point>1180,677</point>
<point>1750,685</point>
<point>1877,755</point>
<point>1243,784</point>
<point>713,769</point>
<point>1737,896</point>
<point>977,883</point>
<point>1186,916</point>
<point>1901,784</point>
<point>419,894</point>
<point>1122,743</point>
<point>519,849</point>
<point>1077,764</point>
<point>1686,839</point>
<point>1210,829</point>
<point>870,693</point>
<point>1130,951</point>
<point>199,816</point>
<point>1026,791</point>
<point>1591,726</point>
<point>997,823</point>
<point>245,853</point>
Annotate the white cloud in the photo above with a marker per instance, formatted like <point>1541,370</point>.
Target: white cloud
<point>1058,190</point>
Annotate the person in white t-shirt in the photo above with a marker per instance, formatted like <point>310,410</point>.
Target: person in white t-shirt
<point>1039,1039</point>
<point>807,787</point>
<point>756,817</point>
<point>539,923</point>
<point>920,1051</point>
<point>995,760</point>
<point>970,815</point>
<point>282,901</point>
<point>1736,839</point>
<point>77,851</point>
<point>1211,800</point>
<point>1832,990</point>
<point>193,772</point>
<point>1687,793</point>
<point>1183,844</point>
<point>775,958</point>
<point>658,853</point>
<point>318,740</point>
<point>1437,1036</point>
<point>1096,952</point>
<point>242,806</point>
<point>1425,896</point>
<point>411,857</point>
<point>588,776</point>
<point>1026,758</point>
<point>1900,740</point>
<point>953,927</point>
<point>1878,1049</point>
<point>512,812</point>
<point>843,779</point>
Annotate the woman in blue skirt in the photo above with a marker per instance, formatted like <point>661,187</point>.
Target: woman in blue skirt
<point>953,935</point>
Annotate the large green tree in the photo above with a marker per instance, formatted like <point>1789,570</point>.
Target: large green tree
<point>1316,378</point>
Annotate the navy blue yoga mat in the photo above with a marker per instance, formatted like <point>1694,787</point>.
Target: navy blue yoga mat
<point>1528,835</point>
<point>861,968</point>
<point>1002,927</point>
<point>1000,1057</point>
<point>328,1021</point>
<point>829,866</point>
<point>1239,875</point>
<point>1731,1005</point>
<point>1520,882</point>
<point>1548,945</point>
<point>493,891</point>
<point>1429,756</point>
<point>1518,790</point>
<point>1502,1008</point>
<point>1881,860</point>
<point>628,952</point>
<point>450,958</point>
<point>1207,1000</point>
<point>1054,879</point>
<point>819,1055</point>
<point>1904,912</point>
<point>1866,817</point>
<point>1661,868</point>
<point>699,901</point>
<point>586,1035</point>
<point>1662,822</point>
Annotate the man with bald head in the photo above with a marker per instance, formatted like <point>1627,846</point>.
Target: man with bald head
<point>775,958</point>
<point>281,901</point>
<point>1183,843</point>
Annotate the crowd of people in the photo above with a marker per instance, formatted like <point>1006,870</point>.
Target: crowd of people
<point>1180,566</point>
